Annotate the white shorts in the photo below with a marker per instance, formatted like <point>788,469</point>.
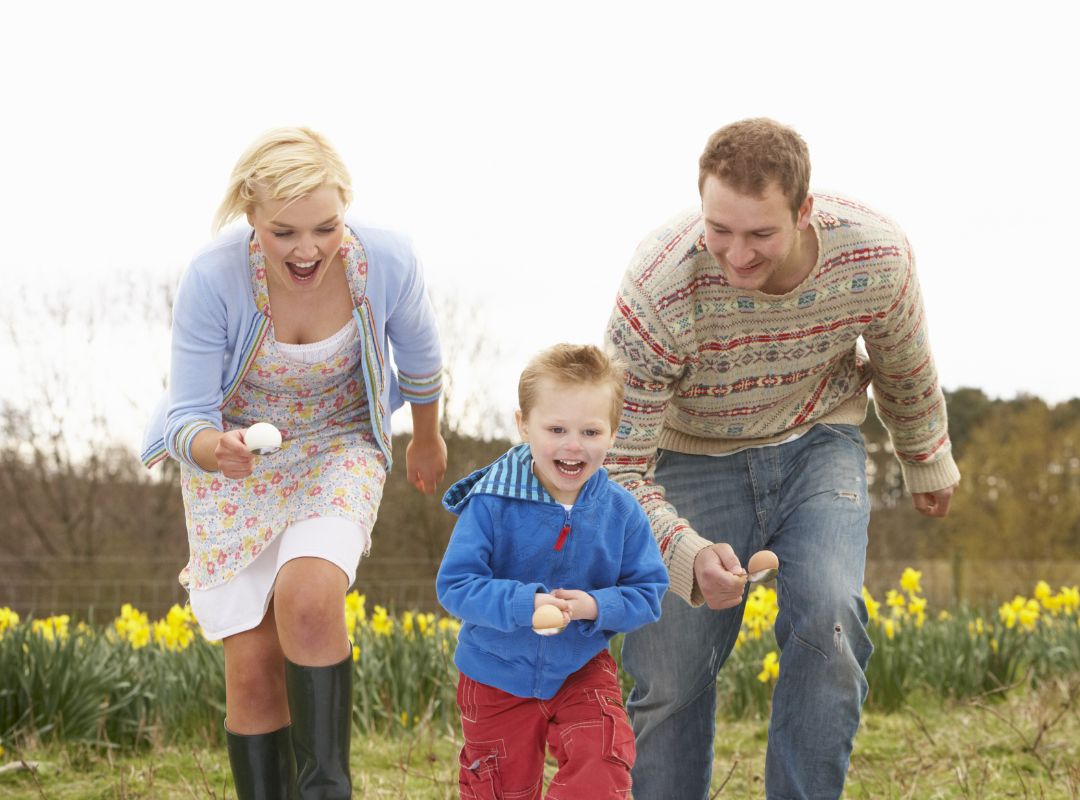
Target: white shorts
<point>241,604</point>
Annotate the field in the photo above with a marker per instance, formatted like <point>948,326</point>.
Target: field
<point>964,703</point>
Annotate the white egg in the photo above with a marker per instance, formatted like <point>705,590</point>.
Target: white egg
<point>262,438</point>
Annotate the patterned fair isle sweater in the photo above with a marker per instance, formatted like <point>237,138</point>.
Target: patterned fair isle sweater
<point>713,369</point>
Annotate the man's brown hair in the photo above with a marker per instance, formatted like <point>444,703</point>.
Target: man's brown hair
<point>750,154</point>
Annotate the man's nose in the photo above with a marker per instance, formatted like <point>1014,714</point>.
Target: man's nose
<point>740,254</point>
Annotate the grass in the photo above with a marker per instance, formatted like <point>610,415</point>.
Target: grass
<point>1025,745</point>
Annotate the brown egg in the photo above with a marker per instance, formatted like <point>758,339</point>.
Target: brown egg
<point>762,560</point>
<point>547,617</point>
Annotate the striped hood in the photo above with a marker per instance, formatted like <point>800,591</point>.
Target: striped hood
<point>512,476</point>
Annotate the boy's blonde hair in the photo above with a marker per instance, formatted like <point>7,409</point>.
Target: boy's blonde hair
<point>750,154</point>
<point>283,164</point>
<point>572,364</point>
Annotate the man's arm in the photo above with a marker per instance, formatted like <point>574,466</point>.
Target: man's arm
<point>908,398</point>
<point>699,570</point>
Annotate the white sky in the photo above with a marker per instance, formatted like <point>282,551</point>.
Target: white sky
<point>528,147</point>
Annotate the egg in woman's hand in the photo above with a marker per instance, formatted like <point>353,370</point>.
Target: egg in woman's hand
<point>547,620</point>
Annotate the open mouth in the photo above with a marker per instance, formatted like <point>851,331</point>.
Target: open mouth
<point>303,271</point>
<point>571,469</point>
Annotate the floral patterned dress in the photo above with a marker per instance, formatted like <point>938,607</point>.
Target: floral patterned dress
<point>329,464</point>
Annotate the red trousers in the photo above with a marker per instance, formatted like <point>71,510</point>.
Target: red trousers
<point>584,724</point>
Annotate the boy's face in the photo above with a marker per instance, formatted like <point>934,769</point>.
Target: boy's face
<point>569,432</point>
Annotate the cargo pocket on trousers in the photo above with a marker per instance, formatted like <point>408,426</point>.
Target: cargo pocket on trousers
<point>618,735</point>
<point>478,778</point>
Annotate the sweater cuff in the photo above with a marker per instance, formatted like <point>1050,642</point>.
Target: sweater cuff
<point>931,477</point>
<point>686,545</point>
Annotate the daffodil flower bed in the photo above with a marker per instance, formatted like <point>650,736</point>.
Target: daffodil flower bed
<point>138,681</point>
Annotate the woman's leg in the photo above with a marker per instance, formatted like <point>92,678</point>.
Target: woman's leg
<point>255,680</point>
<point>257,714</point>
<point>309,603</point>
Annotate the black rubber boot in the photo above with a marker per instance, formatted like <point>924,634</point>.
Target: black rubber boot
<point>320,702</point>
<point>263,766</point>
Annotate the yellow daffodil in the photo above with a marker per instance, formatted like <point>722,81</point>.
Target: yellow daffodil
<point>909,581</point>
<point>770,667</point>
<point>8,619</point>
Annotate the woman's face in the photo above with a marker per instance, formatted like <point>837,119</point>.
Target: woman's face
<point>300,239</point>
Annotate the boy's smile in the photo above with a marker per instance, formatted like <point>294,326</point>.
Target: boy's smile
<point>569,432</point>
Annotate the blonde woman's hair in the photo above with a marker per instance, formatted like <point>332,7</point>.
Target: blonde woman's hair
<point>282,164</point>
<point>573,365</point>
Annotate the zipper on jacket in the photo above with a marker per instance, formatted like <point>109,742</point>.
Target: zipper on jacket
<point>564,533</point>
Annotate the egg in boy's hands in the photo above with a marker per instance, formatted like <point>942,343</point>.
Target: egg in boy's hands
<point>550,614</point>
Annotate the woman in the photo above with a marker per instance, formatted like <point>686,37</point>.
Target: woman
<point>288,321</point>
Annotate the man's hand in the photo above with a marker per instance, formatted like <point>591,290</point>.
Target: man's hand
<point>933,504</point>
<point>581,605</point>
<point>720,576</point>
<point>425,462</point>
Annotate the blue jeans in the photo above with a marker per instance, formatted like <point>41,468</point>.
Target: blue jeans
<point>807,501</point>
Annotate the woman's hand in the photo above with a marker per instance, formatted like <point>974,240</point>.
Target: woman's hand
<point>425,462</point>
<point>234,460</point>
<point>581,605</point>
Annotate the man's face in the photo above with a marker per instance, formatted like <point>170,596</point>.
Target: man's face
<point>754,239</point>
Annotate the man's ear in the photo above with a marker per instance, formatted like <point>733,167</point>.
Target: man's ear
<point>802,221</point>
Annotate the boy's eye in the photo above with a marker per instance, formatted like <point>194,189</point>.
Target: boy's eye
<point>591,432</point>
<point>556,429</point>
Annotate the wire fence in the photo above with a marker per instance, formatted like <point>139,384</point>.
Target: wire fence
<point>95,590</point>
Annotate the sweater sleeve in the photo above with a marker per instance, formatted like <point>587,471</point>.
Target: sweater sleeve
<point>199,344</point>
<point>465,584</point>
<point>638,338</point>
<point>907,395</point>
<point>414,337</point>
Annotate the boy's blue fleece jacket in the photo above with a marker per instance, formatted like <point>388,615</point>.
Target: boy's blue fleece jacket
<point>505,548</point>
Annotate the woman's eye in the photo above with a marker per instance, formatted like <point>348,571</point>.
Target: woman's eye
<point>328,230</point>
<point>281,234</point>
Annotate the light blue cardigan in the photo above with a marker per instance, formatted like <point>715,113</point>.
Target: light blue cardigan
<point>217,330</point>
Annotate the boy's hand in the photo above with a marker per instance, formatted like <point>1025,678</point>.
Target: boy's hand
<point>545,599</point>
<point>581,605</point>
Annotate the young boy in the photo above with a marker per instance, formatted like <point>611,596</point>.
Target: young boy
<point>544,525</point>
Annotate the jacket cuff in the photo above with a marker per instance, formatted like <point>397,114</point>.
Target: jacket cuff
<point>525,603</point>
<point>420,388</point>
<point>685,545</point>
<point>183,439</point>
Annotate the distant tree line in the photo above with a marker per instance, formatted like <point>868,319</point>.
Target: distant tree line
<point>63,517</point>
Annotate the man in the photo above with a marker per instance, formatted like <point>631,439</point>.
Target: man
<point>746,384</point>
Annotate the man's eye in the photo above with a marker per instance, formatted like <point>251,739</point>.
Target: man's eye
<point>763,235</point>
